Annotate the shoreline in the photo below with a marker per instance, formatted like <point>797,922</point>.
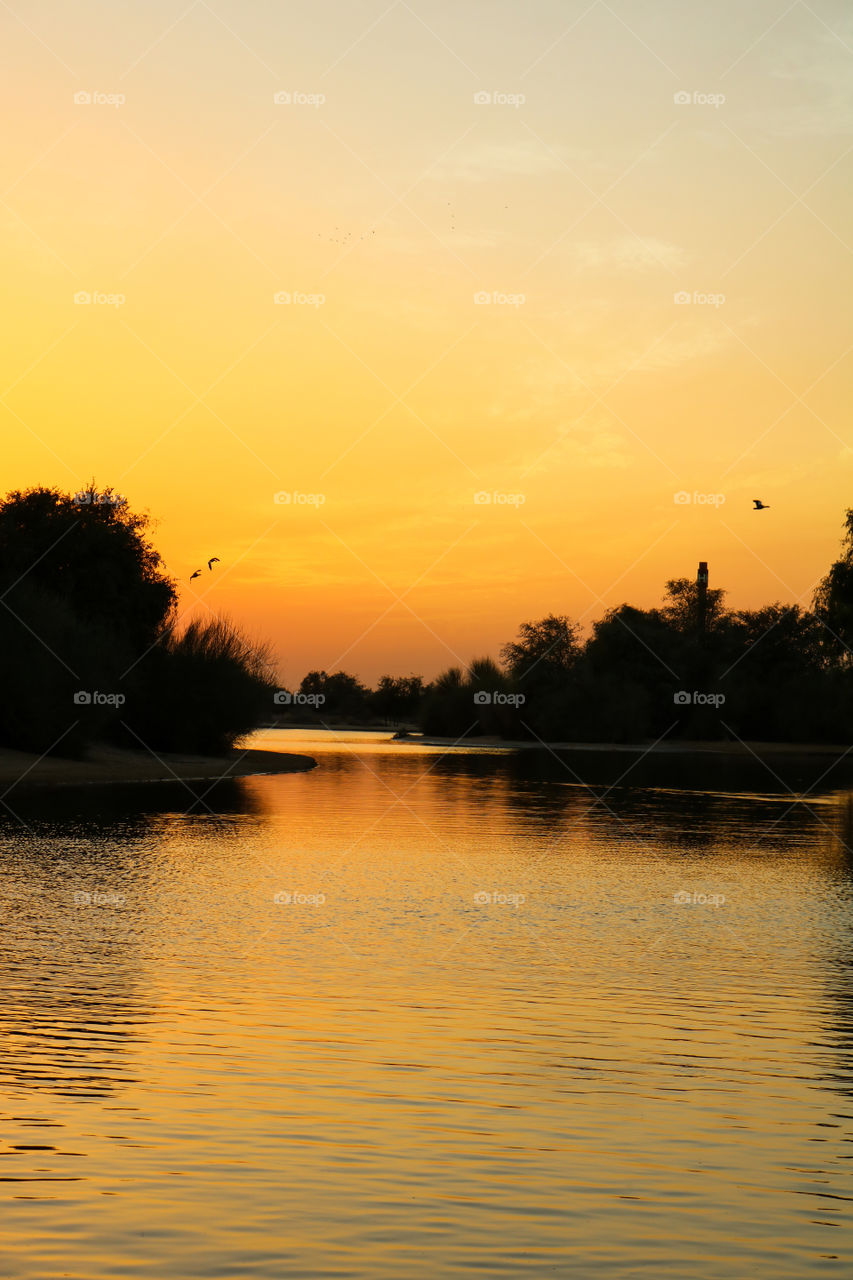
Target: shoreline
<point>681,748</point>
<point>671,747</point>
<point>103,766</point>
<point>109,765</point>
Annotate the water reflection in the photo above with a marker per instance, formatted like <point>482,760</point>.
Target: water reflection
<point>73,995</point>
<point>80,881</point>
<point>127,804</point>
<point>519,1035</point>
<point>774,773</point>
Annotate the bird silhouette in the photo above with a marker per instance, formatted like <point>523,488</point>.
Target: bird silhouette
<point>759,505</point>
<point>212,561</point>
<point>197,574</point>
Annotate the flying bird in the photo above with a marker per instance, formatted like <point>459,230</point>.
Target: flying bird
<point>197,574</point>
<point>759,505</point>
<point>213,560</point>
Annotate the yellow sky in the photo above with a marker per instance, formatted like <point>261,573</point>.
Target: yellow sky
<point>582,197</point>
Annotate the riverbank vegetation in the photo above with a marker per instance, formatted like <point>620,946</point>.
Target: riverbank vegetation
<point>688,668</point>
<point>92,648</point>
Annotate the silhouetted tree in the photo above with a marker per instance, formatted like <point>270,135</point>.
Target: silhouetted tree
<point>551,645</point>
<point>478,700</point>
<point>48,657</point>
<point>681,605</point>
<point>779,681</point>
<point>398,698</point>
<point>447,709</point>
<point>542,663</point>
<point>633,665</point>
<point>833,599</point>
<point>89,642</point>
<point>343,696</point>
<point>91,551</point>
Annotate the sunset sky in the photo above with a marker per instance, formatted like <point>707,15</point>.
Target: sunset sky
<point>581,198</point>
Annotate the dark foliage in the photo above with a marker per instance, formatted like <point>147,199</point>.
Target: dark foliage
<point>339,696</point>
<point>396,700</point>
<point>89,647</point>
<point>90,550</point>
<point>198,690</point>
<point>778,673</point>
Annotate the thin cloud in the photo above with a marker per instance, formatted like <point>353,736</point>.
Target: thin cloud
<point>589,444</point>
<point>629,253</point>
<point>820,74</point>
<point>520,159</point>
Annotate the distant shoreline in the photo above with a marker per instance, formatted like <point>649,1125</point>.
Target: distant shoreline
<point>105,765</point>
<point>670,747</point>
<point>679,748</point>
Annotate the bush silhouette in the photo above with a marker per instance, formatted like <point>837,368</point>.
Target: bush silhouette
<point>199,690</point>
<point>87,609</point>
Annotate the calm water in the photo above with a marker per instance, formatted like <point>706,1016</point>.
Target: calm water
<point>481,1032</point>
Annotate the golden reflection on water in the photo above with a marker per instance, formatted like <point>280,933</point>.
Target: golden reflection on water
<point>411,1014</point>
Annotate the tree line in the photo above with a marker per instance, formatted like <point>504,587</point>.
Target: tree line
<point>690,668</point>
<point>92,648</point>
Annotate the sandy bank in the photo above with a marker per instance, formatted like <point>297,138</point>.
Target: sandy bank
<point>111,764</point>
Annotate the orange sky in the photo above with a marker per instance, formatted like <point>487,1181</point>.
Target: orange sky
<point>384,191</point>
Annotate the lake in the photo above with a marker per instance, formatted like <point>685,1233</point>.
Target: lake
<point>429,1014</point>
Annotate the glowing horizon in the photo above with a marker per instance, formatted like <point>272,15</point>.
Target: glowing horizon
<point>584,184</point>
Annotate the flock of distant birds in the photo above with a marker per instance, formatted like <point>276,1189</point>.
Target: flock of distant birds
<point>347,237</point>
<point>344,237</point>
<point>759,506</point>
